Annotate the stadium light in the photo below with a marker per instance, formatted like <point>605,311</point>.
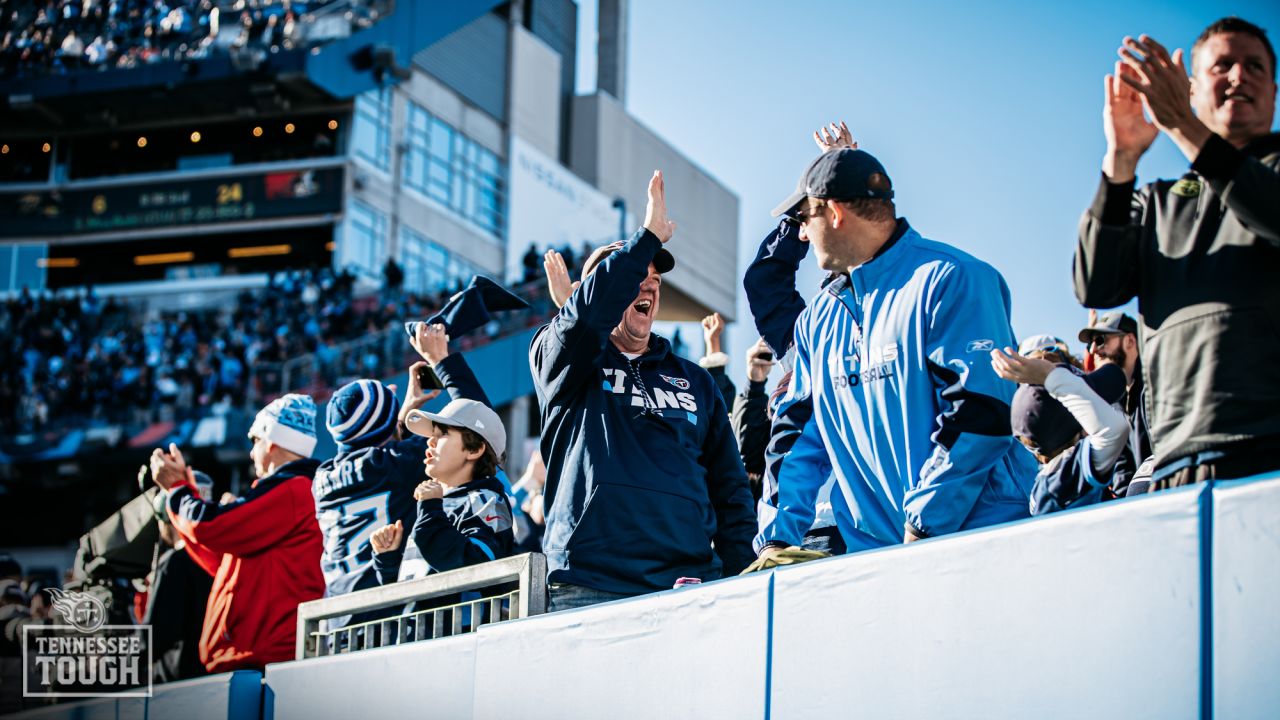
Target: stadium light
<point>289,128</point>
<point>164,258</point>
<point>46,147</point>
<point>142,141</point>
<point>257,132</point>
<point>4,149</point>
<point>259,251</point>
<point>58,262</point>
<point>195,136</point>
<point>333,124</point>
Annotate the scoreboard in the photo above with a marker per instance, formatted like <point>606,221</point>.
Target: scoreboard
<point>46,213</point>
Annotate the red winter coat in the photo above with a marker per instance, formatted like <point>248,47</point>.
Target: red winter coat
<point>263,552</point>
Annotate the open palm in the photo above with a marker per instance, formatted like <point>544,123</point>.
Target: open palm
<point>1128,130</point>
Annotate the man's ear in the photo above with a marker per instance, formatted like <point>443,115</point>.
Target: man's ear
<point>839,213</point>
<point>1130,342</point>
<point>475,455</point>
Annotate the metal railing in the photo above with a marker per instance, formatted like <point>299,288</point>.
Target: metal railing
<point>528,571</point>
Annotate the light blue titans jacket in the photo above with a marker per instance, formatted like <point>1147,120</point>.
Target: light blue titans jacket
<point>894,393</point>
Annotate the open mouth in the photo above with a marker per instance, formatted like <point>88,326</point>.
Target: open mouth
<point>643,307</point>
<point>1238,98</point>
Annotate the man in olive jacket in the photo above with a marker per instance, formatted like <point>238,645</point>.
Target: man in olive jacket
<point>1200,253</point>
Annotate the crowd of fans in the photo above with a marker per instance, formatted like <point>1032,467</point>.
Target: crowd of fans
<point>85,359</point>
<point>60,36</point>
<point>906,401</point>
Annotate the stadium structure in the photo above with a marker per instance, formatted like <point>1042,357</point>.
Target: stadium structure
<point>445,136</point>
<point>291,155</point>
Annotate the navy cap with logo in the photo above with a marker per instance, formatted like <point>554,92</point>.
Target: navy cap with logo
<point>1045,425</point>
<point>842,174</point>
<point>1110,323</point>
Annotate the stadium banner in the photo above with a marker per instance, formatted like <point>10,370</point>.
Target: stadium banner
<point>700,651</point>
<point>1087,613</point>
<point>1246,585</point>
<point>171,203</point>
<point>425,679</point>
<point>550,207</point>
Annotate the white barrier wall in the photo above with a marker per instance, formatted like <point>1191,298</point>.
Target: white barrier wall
<point>1246,595</point>
<point>1085,614</point>
<point>426,679</point>
<point>695,652</point>
<point>1094,613</point>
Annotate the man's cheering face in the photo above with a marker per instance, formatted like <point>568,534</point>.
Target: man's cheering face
<point>1233,87</point>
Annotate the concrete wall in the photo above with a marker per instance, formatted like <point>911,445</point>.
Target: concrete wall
<point>535,92</point>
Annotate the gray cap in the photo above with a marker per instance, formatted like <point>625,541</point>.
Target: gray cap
<point>474,416</point>
<point>1110,323</point>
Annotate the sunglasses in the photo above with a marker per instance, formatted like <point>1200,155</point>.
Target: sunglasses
<point>1098,341</point>
<point>804,215</point>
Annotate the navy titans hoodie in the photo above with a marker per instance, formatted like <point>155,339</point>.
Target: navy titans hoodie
<point>644,482</point>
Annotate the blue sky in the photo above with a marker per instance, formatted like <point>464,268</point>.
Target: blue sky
<point>986,115</point>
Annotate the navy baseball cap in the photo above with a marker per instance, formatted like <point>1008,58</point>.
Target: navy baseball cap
<point>837,175</point>
<point>663,260</point>
<point>1046,426</point>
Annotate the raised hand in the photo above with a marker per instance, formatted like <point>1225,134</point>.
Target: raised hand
<point>834,137</point>
<point>431,342</point>
<point>1012,366</point>
<point>387,537</point>
<point>1128,131</point>
<point>712,328</point>
<point>416,396</point>
<point>655,211</point>
<point>757,367</point>
<point>558,282</point>
<point>428,489</point>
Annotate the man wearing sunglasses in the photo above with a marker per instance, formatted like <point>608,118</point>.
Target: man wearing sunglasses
<point>892,391</point>
<point>1113,337</point>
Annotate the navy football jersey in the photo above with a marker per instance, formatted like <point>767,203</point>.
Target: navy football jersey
<point>357,493</point>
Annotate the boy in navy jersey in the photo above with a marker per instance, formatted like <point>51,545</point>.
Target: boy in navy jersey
<point>463,517</point>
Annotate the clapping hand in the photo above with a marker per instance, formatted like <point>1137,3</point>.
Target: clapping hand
<point>387,537</point>
<point>1012,366</point>
<point>169,468</point>
<point>834,137</point>
<point>558,282</point>
<point>655,212</point>
<point>1129,134</point>
<point>1161,80</point>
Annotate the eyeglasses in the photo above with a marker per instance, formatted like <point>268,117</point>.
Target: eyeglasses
<point>804,215</point>
<point>1098,341</point>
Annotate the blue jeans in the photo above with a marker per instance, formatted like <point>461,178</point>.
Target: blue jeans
<point>562,596</point>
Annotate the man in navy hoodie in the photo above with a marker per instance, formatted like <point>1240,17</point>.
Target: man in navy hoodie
<point>644,482</point>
